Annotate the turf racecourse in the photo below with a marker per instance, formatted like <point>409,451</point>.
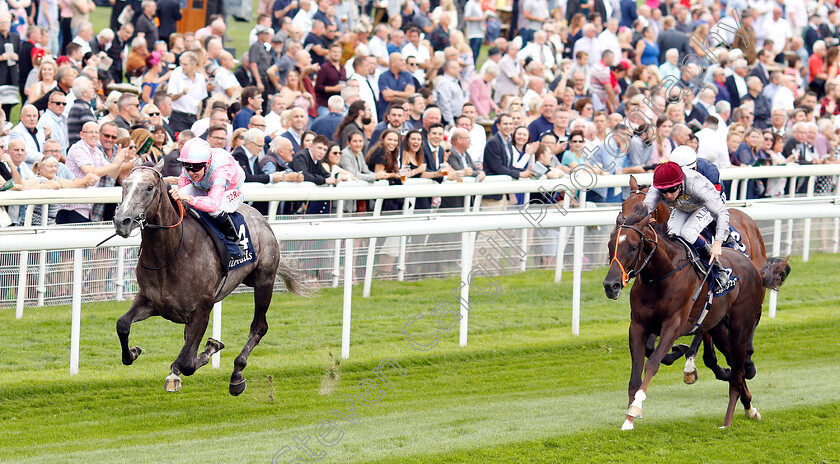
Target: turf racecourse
<point>523,390</point>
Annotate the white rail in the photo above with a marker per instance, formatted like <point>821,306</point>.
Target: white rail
<point>350,229</point>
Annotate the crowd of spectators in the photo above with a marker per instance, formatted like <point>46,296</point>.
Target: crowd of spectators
<point>435,89</point>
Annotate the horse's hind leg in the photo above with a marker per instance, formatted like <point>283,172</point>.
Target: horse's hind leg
<point>710,359</point>
<point>690,370</point>
<point>139,311</point>
<point>259,326</point>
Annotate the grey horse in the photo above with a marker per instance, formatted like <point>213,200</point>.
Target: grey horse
<point>179,272</point>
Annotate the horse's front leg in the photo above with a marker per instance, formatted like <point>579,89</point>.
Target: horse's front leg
<point>140,310</point>
<point>187,363</point>
<point>690,370</point>
<point>668,335</point>
<point>638,338</point>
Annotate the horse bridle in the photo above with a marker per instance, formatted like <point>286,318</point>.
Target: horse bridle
<point>141,221</point>
<point>636,269</point>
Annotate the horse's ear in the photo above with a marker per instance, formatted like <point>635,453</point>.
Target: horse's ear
<point>619,219</point>
<point>633,184</point>
<point>159,166</point>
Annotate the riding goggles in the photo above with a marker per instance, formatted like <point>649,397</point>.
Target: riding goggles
<point>671,189</point>
<point>193,167</point>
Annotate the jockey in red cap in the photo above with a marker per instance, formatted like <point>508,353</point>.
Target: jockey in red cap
<point>210,181</point>
<point>695,202</point>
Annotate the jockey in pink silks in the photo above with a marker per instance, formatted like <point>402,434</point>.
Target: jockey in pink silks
<point>210,181</point>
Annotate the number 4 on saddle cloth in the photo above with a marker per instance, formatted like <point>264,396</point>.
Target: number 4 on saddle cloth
<point>228,251</point>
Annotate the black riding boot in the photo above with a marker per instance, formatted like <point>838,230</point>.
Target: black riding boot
<point>721,273</point>
<point>226,225</point>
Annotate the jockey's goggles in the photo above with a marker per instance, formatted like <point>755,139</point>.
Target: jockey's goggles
<point>193,167</point>
<point>671,189</point>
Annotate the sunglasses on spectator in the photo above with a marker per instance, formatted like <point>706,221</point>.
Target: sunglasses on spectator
<point>109,136</point>
<point>154,114</point>
<point>577,141</point>
<point>671,189</point>
<point>59,103</point>
<point>193,167</point>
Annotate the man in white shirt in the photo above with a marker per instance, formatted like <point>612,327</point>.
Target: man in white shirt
<point>778,30</point>
<point>378,47</point>
<point>609,40</point>
<point>27,131</point>
<point>272,120</point>
<point>539,51</point>
<point>797,16</point>
<point>84,35</point>
<point>415,49</point>
<point>187,89</point>
<point>711,146</point>
<point>478,136</point>
<point>303,18</point>
<point>225,82</point>
<point>785,94</point>
<point>363,66</point>
<point>589,43</point>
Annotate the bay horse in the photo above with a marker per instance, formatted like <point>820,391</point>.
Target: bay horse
<point>751,238</point>
<point>661,304</point>
<point>179,272</point>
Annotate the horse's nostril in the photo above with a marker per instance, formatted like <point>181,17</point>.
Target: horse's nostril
<point>125,222</point>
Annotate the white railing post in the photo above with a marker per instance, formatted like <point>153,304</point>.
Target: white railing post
<point>408,210</point>
<point>120,284</point>
<point>348,299</point>
<point>562,239</point>
<point>523,262</point>
<point>21,289</point>
<point>42,276</point>
<point>777,247</point>
<point>336,272</point>
<point>216,359</point>
<point>76,315</point>
<point>371,254</point>
<point>464,284</point>
<point>577,270</point>
<point>806,239</point>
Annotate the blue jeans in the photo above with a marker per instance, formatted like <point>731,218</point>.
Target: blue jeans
<point>475,45</point>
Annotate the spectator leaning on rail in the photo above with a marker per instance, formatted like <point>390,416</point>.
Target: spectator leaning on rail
<point>28,132</point>
<point>85,157</point>
<point>210,181</point>
<point>695,203</point>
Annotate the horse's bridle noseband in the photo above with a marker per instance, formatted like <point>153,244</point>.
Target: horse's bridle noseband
<point>636,269</point>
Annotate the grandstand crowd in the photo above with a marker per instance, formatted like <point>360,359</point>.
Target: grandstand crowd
<point>357,91</point>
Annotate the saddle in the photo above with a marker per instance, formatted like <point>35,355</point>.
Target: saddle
<point>227,250</point>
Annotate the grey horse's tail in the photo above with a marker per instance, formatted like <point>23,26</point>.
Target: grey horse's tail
<point>294,278</point>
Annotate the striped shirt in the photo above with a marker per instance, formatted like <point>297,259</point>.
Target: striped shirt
<point>81,154</point>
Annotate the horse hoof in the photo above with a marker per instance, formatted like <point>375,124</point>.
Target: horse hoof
<point>134,353</point>
<point>627,425</point>
<point>215,344</point>
<point>753,413</point>
<point>173,383</point>
<point>634,411</point>
<point>690,377</point>
<point>238,388</point>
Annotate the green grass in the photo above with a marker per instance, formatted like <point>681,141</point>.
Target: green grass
<point>523,390</point>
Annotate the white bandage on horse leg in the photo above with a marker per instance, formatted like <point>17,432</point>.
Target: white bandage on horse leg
<point>753,413</point>
<point>689,365</point>
<point>639,399</point>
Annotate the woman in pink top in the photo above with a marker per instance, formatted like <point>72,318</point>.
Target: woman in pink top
<point>210,181</point>
<point>481,92</point>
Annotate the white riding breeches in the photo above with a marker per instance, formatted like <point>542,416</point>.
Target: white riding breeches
<point>688,225</point>
<point>231,199</point>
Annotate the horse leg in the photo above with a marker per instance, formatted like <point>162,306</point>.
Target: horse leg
<point>749,365</point>
<point>186,363</point>
<point>668,335</point>
<point>638,340</point>
<point>139,311</point>
<point>690,370</point>
<point>259,327</point>
<point>710,359</point>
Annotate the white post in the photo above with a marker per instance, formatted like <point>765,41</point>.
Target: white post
<point>408,209</point>
<point>743,193</point>
<point>120,273</point>
<point>792,194</point>
<point>733,190</point>
<point>806,239</point>
<point>42,276</point>
<point>777,246</point>
<point>348,298</point>
<point>577,269</point>
<point>76,317</point>
<point>371,254</point>
<point>836,234</point>
<point>464,284</point>
<point>21,290</point>
<point>523,262</point>
<point>216,359</point>
<point>336,272</point>
<point>561,244</point>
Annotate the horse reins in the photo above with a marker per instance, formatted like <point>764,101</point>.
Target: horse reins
<point>636,270</point>
<point>142,222</point>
